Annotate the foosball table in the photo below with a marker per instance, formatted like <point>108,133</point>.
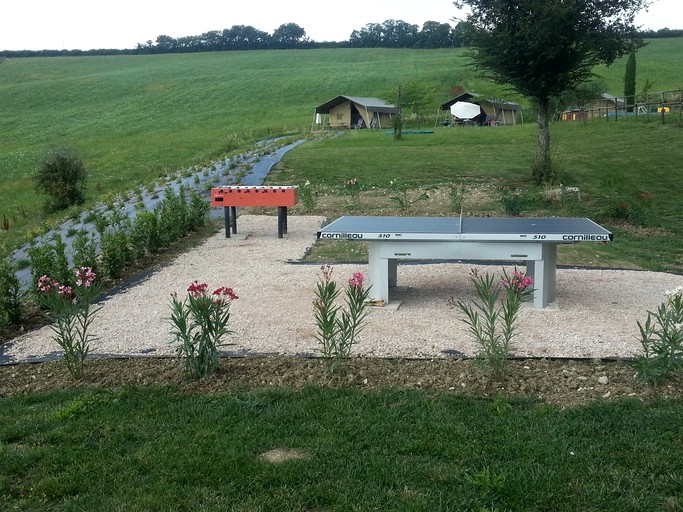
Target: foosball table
<point>230,197</point>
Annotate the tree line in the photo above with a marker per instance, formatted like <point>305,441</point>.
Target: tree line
<point>389,34</point>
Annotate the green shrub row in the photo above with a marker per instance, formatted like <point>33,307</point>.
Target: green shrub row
<point>117,243</point>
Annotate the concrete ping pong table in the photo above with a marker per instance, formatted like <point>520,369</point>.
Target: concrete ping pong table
<point>531,240</point>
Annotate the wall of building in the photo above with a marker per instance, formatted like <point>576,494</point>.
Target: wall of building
<point>340,115</point>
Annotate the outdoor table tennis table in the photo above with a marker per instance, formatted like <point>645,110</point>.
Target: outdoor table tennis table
<point>530,240</point>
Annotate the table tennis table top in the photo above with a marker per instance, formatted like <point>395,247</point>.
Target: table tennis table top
<point>548,229</point>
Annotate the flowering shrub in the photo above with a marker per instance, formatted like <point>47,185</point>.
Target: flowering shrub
<point>635,207</point>
<point>50,259</point>
<point>71,311</point>
<point>662,340</point>
<point>200,322</point>
<point>338,327</point>
<point>402,198</point>
<point>352,185</point>
<point>493,324</point>
<point>352,188</point>
<point>519,282</point>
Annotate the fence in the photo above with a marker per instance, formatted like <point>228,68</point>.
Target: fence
<point>667,106</point>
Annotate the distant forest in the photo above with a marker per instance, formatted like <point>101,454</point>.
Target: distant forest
<point>389,34</point>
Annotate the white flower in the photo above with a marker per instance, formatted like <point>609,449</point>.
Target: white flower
<point>674,296</point>
<point>677,290</point>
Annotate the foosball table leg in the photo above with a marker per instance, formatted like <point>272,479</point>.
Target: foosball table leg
<point>233,219</point>
<point>230,214</point>
<point>281,221</point>
<point>226,215</point>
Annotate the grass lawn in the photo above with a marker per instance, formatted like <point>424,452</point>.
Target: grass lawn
<point>321,449</point>
<point>625,172</point>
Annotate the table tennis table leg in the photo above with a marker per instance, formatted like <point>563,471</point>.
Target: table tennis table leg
<point>378,274</point>
<point>392,273</point>
<point>544,272</point>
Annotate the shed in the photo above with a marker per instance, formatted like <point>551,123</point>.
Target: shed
<point>604,105</point>
<point>494,111</point>
<point>574,114</point>
<point>354,112</point>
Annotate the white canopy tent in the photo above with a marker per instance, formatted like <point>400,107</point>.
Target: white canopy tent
<point>465,110</point>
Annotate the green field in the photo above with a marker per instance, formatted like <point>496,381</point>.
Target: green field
<point>135,119</point>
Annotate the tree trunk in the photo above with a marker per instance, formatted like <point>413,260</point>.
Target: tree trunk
<point>398,119</point>
<point>541,169</point>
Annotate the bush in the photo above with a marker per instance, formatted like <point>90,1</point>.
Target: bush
<point>493,322</point>
<point>71,310</point>
<point>145,233</point>
<point>339,326</point>
<point>61,179</point>
<point>514,203</point>
<point>635,207</point>
<point>172,214</point>
<point>199,324</point>
<point>11,308</point>
<point>662,340</point>
<point>50,260</point>
<point>84,251</point>
<point>307,196</point>
<point>199,209</point>
<point>116,252</point>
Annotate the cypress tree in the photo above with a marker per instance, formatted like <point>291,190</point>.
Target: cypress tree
<point>630,82</point>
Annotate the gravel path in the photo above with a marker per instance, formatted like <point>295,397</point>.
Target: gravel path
<point>594,315</point>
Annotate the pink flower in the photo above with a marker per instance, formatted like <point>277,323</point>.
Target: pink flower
<point>518,281</point>
<point>85,276</point>
<point>47,284</point>
<point>66,292</point>
<point>197,289</point>
<point>357,280</point>
<point>226,292</point>
<point>327,273</point>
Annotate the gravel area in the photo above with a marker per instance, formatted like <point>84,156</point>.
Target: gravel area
<point>594,315</point>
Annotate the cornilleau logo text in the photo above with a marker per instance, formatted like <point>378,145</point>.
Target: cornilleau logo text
<point>349,236</point>
<point>583,238</point>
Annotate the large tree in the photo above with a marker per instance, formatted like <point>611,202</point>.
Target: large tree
<point>435,35</point>
<point>542,48</point>
<point>289,35</point>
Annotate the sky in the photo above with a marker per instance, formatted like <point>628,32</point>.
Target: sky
<point>88,24</point>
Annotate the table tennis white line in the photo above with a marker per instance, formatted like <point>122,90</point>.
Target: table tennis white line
<point>454,237</point>
<point>518,235</point>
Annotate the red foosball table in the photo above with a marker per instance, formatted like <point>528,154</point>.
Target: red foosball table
<point>232,196</point>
